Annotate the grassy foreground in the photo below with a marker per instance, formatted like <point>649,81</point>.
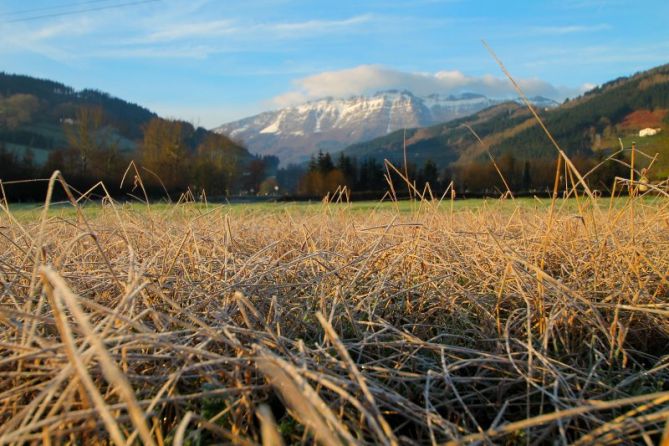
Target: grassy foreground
<point>497,322</point>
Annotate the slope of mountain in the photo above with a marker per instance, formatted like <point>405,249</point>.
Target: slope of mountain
<point>295,133</point>
<point>34,115</point>
<point>442,143</point>
<point>33,112</point>
<point>588,124</point>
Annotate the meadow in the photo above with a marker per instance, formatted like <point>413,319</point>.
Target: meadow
<point>499,321</point>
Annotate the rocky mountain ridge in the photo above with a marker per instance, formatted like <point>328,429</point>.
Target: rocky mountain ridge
<point>295,133</point>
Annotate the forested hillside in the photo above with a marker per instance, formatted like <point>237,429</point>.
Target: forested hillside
<point>595,120</point>
<point>91,136</point>
<point>33,111</point>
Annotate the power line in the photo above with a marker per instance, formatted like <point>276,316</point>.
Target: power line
<point>51,8</point>
<point>80,11</point>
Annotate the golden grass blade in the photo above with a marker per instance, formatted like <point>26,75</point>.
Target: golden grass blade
<point>564,156</point>
<point>110,370</point>
<point>305,403</point>
<point>181,430</point>
<point>386,435</point>
<point>268,430</point>
<point>75,359</point>
<point>562,414</point>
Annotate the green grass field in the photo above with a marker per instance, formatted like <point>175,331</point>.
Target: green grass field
<point>32,211</point>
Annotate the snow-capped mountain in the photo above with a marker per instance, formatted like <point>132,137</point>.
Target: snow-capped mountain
<point>295,133</point>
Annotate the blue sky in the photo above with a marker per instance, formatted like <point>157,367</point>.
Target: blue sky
<point>212,61</point>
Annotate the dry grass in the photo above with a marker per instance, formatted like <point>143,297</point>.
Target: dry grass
<point>184,325</point>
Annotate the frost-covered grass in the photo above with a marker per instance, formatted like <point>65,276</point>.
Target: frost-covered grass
<point>495,321</point>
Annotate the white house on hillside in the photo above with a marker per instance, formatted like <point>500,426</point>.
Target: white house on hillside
<point>649,132</point>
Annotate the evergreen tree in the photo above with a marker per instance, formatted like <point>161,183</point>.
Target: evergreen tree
<point>348,168</point>
<point>430,174</point>
<point>527,179</point>
<point>325,164</point>
<point>371,176</point>
<point>313,163</point>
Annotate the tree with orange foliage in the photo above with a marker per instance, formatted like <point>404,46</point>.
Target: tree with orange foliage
<point>163,151</point>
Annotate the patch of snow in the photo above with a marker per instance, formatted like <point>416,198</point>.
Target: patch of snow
<point>239,130</point>
<point>272,128</point>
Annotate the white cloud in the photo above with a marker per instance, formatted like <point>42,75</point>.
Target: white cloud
<point>590,4</point>
<point>365,79</point>
<point>213,28</point>
<point>172,52</point>
<point>28,33</point>
<point>39,41</point>
<point>569,29</point>
<point>217,28</point>
<point>587,87</point>
<point>318,26</point>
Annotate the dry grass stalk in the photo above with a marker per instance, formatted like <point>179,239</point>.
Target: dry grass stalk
<point>268,430</point>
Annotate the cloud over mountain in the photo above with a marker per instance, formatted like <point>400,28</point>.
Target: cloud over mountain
<point>366,79</point>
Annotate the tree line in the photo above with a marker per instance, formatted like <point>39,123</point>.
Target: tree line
<point>371,178</point>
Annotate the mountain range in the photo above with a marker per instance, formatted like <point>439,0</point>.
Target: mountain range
<point>295,133</point>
